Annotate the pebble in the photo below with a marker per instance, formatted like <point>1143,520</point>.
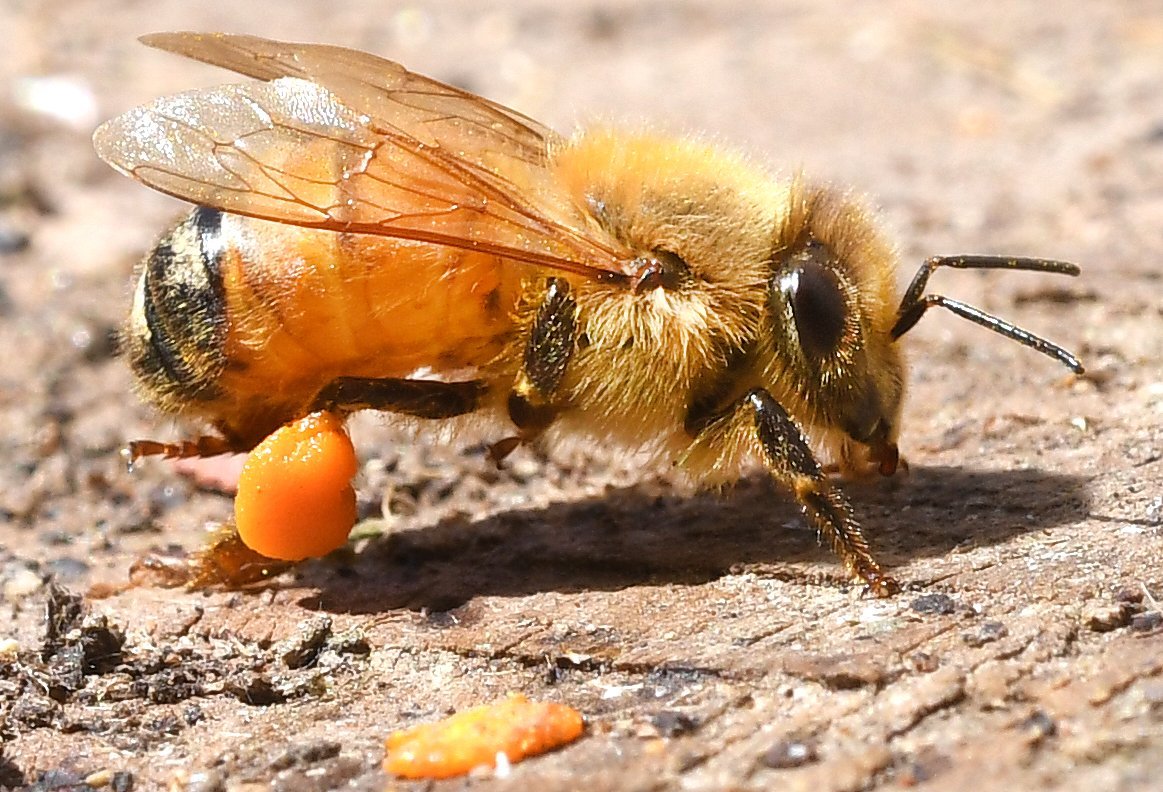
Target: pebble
<point>941,604</point>
<point>9,649</point>
<point>1108,616</point>
<point>789,753</point>
<point>22,582</point>
<point>1146,622</point>
<point>987,633</point>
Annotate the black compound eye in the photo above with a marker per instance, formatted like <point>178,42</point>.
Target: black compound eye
<point>818,305</point>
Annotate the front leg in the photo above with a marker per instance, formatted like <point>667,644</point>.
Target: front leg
<point>548,350</point>
<point>758,421</point>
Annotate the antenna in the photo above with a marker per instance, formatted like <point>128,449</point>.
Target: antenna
<point>916,302</point>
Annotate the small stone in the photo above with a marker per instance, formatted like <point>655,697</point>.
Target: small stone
<point>1040,725</point>
<point>923,662</point>
<point>12,240</point>
<point>926,765</point>
<point>786,754</point>
<point>100,778</point>
<point>1108,616</point>
<point>1146,622</point>
<point>22,582</point>
<point>303,648</point>
<point>1129,595</point>
<point>670,723</point>
<point>988,632</point>
<point>939,604</point>
<point>307,754</point>
<point>352,642</point>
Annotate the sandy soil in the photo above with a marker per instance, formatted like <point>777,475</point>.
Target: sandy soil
<point>709,641</point>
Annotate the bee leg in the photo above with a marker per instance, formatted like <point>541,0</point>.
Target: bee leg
<point>759,418</point>
<point>548,350</point>
<point>419,398</point>
<point>204,446</point>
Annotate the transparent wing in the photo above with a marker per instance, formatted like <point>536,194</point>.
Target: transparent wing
<point>345,141</point>
<point>429,111</point>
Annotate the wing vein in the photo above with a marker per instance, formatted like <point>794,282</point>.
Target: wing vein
<point>341,140</point>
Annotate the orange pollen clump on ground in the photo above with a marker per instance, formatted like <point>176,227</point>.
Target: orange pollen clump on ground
<point>515,727</point>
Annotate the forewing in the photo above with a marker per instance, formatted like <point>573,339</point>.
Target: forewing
<point>424,164</point>
<point>430,111</point>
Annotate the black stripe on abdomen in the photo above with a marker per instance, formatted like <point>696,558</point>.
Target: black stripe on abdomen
<point>177,328</point>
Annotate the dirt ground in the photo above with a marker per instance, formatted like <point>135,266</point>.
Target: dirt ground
<point>710,642</point>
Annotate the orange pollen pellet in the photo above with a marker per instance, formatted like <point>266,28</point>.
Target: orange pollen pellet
<point>295,498</point>
<point>516,727</point>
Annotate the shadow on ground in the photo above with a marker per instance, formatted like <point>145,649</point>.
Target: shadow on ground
<point>627,538</point>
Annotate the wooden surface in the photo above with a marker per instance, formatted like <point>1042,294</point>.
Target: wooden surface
<point>708,639</point>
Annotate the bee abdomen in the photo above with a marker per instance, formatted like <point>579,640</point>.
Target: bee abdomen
<point>176,331</point>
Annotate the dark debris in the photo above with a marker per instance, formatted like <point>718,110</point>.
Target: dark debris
<point>670,723</point>
<point>934,604</point>
<point>84,678</point>
<point>1146,622</point>
<point>986,632</point>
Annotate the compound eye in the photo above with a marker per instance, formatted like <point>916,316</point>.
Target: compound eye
<point>818,305</point>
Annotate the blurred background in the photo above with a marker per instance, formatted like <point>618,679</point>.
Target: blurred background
<point>989,109</point>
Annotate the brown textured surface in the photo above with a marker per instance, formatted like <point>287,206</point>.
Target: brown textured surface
<point>710,642</point>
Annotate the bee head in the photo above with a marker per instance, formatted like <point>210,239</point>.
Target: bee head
<point>832,300</point>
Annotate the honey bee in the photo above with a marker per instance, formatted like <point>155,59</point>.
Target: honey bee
<point>369,238</point>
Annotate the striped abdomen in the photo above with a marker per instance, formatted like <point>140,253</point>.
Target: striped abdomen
<point>174,338</point>
<point>244,321</point>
